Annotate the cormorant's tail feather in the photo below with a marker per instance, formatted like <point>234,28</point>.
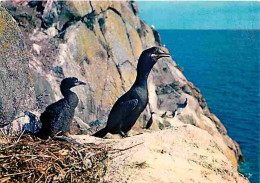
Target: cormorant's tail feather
<point>41,135</point>
<point>101,133</point>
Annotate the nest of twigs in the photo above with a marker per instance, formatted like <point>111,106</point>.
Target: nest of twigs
<point>34,160</point>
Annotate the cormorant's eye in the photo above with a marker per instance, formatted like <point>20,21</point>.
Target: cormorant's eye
<point>76,80</point>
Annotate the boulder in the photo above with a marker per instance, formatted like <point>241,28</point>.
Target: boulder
<point>16,94</point>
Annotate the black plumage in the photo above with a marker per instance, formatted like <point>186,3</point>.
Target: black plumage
<point>57,117</point>
<point>128,107</point>
<point>150,121</point>
<point>33,4</point>
<point>179,105</point>
<point>38,4</point>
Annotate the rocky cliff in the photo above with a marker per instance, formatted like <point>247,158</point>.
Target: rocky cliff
<point>16,94</point>
<point>99,42</point>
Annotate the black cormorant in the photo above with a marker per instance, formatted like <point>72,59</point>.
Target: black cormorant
<point>179,105</point>
<point>150,121</point>
<point>128,107</point>
<point>57,117</point>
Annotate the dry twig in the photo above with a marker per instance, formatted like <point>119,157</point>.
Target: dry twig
<point>25,159</point>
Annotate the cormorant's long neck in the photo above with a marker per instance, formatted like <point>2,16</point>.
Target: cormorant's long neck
<point>141,78</point>
<point>70,96</point>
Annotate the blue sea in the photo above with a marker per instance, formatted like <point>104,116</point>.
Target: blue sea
<point>224,65</point>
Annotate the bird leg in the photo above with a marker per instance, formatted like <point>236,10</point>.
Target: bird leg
<point>67,134</point>
<point>67,139</point>
<point>123,134</point>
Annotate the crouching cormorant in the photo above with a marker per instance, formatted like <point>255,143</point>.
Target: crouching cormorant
<point>128,107</point>
<point>57,117</point>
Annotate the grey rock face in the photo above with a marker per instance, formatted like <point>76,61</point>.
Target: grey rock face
<point>15,92</point>
<point>99,42</point>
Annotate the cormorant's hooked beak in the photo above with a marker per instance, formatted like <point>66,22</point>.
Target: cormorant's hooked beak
<point>80,83</point>
<point>162,52</point>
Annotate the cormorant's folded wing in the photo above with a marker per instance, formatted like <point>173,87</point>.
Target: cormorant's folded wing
<point>128,105</point>
<point>52,112</point>
<point>121,111</point>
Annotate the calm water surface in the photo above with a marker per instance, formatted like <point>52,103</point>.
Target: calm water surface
<point>224,65</point>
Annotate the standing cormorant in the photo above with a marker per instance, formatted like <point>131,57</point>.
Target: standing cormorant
<point>57,117</point>
<point>128,107</point>
<point>150,121</point>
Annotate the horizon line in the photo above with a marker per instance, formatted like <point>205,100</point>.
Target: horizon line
<point>211,29</point>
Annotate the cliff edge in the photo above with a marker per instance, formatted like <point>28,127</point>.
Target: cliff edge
<point>183,153</point>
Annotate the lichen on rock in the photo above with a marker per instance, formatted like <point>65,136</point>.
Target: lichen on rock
<point>16,94</point>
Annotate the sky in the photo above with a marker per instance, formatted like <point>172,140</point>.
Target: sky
<point>201,14</point>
